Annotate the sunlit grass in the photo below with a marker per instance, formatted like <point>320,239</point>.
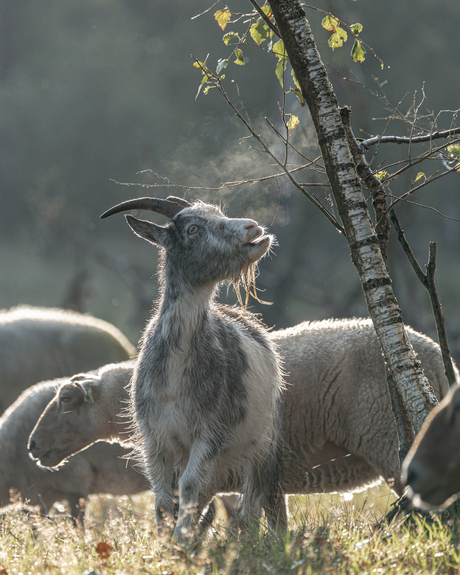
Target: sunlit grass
<point>327,534</point>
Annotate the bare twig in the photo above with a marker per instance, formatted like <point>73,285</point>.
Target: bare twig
<point>427,181</point>
<point>215,80</point>
<point>428,281</point>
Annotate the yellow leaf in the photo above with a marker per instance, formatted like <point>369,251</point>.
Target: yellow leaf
<point>292,123</point>
<point>420,175</point>
<point>380,175</point>
<point>222,17</point>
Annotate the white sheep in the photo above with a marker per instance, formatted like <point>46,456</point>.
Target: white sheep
<point>205,389</point>
<point>337,426</point>
<point>38,344</point>
<point>99,469</point>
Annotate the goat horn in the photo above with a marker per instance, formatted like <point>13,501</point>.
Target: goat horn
<point>179,201</point>
<point>165,207</point>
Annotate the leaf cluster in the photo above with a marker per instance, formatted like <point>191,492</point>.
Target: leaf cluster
<point>339,36</point>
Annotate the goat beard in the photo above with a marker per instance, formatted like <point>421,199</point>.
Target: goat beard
<point>247,279</point>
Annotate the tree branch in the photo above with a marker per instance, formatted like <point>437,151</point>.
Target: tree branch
<point>429,283</point>
<point>416,140</point>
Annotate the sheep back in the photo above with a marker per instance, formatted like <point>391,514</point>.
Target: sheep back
<point>39,344</point>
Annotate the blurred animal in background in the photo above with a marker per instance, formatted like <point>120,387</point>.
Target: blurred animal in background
<point>99,469</point>
<point>37,344</point>
<point>432,466</point>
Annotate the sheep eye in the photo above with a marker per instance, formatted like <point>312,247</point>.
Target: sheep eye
<point>192,230</point>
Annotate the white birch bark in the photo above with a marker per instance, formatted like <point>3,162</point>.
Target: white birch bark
<point>416,393</point>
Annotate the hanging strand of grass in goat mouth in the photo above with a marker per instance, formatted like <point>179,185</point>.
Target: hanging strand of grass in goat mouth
<point>247,279</point>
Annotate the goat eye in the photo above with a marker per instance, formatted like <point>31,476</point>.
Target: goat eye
<point>63,398</point>
<point>192,230</point>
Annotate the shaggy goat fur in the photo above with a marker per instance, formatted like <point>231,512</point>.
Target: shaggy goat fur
<point>205,389</point>
<point>99,469</point>
<point>38,344</point>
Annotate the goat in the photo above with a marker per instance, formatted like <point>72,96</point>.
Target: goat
<point>38,344</point>
<point>432,466</point>
<point>99,469</point>
<point>206,386</point>
<point>338,430</point>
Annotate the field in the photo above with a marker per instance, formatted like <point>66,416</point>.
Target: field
<point>328,534</point>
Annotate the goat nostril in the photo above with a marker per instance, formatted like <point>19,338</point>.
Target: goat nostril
<point>251,224</point>
<point>31,445</point>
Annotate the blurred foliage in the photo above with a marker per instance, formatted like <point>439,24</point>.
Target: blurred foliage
<point>95,91</point>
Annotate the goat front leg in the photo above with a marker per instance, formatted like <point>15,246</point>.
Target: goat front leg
<point>159,468</point>
<point>194,492</point>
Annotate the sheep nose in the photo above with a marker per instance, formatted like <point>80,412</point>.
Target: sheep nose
<point>32,445</point>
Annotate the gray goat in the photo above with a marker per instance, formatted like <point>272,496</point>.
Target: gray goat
<point>38,344</point>
<point>206,386</point>
<point>99,469</point>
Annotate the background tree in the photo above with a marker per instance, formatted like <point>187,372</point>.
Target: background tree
<point>99,90</point>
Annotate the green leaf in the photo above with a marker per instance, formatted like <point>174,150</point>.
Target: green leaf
<point>239,57</point>
<point>292,123</point>
<point>278,50</point>
<point>356,28</point>
<point>296,82</point>
<point>221,64</point>
<point>222,17</point>
<point>259,31</point>
<point>358,53</point>
<point>267,10</point>
<point>380,175</point>
<point>329,22</point>
<point>280,68</point>
<point>206,77</point>
<point>298,93</point>
<point>228,36</point>
<point>338,38</point>
<point>419,176</point>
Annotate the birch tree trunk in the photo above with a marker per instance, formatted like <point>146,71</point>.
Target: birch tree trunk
<point>417,396</point>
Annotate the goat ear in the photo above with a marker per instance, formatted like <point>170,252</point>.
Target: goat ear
<point>146,230</point>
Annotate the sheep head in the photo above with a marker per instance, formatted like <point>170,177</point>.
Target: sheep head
<point>66,425</point>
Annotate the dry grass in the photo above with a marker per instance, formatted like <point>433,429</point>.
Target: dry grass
<point>328,535</point>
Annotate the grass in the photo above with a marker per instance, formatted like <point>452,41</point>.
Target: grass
<point>327,535</point>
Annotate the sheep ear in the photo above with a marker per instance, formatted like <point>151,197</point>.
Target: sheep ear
<point>90,392</point>
<point>146,230</point>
